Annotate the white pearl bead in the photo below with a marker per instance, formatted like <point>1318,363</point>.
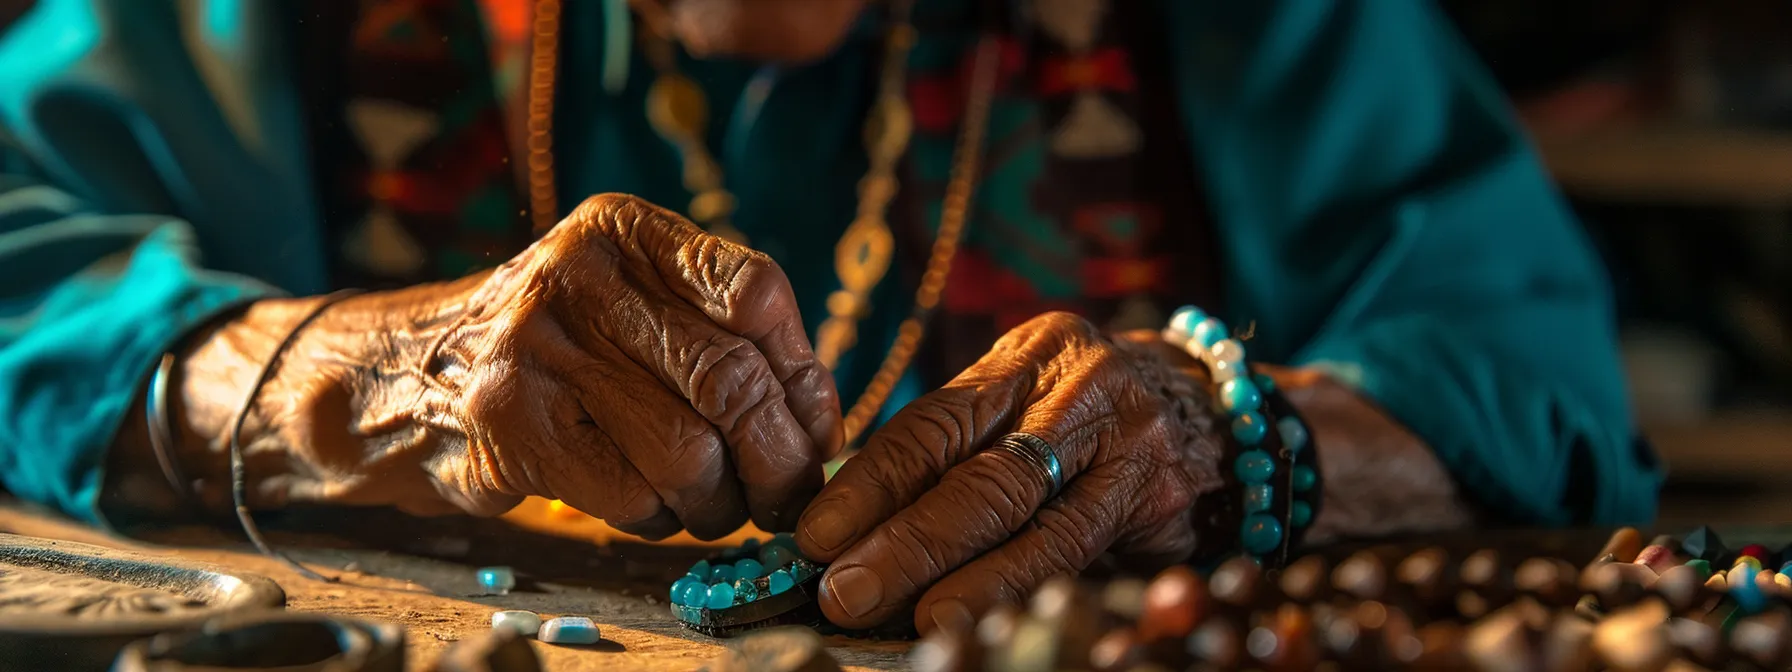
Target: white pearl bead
<point>1221,372</point>
<point>525,623</point>
<point>1176,337</point>
<point>1229,351</point>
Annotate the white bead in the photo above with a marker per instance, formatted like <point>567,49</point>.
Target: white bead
<point>570,630</point>
<point>525,623</point>
<point>1175,337</point>
<point>1185,319</point>
<point>1221,372</point>
<point>1229,351</point>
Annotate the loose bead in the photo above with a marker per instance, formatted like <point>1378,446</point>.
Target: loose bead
<point>1208,332</point>
<point>779,582</point>
<point>1304,479</point>
<point>774,557</point>
<point>1749,560</point>
<point>1185,319</point>
<point>1240,395</point>
<point>496,580</point>
<point>721,574</point>
<point>745,591</point>
<point>1300,514</point>
<point>1229,351</point>
<point>1265,383</point>
<point>1784,569</point>
<point>699,571</point>
<point>1756,551</point>
<point>525,623</point>
<point>1262,533</point>
<point>1703,567</point>
<point>721,596</point>
<point>1249,428</point>
<point>1254,467</point>
<point>748,569</point>
<point>1294,434</point>
<point>1257,498</point>
<point>570,630</point>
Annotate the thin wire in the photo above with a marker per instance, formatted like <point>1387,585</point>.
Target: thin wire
<point>239,472</point>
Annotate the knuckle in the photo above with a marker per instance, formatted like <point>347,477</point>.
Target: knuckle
<point>692,455</point>
<point>728,379</point>
<point>1064,322</point>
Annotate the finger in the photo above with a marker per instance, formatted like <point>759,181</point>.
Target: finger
<point>741,289</point>
<point>976,506</point>
<point>933,434</point>
<point>678,453</point>
<point>1065,536</point>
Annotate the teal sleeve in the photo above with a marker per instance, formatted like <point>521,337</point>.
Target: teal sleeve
<point>138,139</point>
<point>1384,218</point>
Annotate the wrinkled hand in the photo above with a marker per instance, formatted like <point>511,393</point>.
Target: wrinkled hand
<point>627,364</point>
<point>925,512</point>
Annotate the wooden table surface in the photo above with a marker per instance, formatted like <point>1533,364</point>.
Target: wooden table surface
<point>422,578</point>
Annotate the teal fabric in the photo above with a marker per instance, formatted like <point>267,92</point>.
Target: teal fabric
<point>1381,215</point>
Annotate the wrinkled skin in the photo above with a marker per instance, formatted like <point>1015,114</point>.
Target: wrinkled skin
<point>627,364</point>
<point>926,512</point>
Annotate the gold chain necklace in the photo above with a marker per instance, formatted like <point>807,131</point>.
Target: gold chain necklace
<point>678,111</point>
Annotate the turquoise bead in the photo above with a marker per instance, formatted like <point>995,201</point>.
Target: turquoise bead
<point>699,571</point>
<point>750,546</point>
<point>1265,383</point>
<point>779,582</point>
<point>1300,514</point>
<point>783,539</point>
<point>1294,434</point>
<point>1240,395</point>
<point>1257,498</point>
<point>1262,533</point>
<point>682,587</point>
<point>1254,467</point>
<point>1209,331</point>
<point>721,574</point>
<point>1249,428</point>
<point>745,591</point>
<point>1304,479</point>
<point>772,556</point>
<point>496,580</point>
<point>800,571</point>
<point>570,630</point>
<point>748,569</point>
<point>1786,568</point>
<point>721,596</point>
<point>1185,319</point>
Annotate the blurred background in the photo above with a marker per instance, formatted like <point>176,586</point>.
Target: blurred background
<point>1669,125</point>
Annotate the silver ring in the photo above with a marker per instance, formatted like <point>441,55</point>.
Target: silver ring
<point>1035,451</point>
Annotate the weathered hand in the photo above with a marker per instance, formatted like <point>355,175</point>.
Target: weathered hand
<point>627,364</point>
<point>924,511</point>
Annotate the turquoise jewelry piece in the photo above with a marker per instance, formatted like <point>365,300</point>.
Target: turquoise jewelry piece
<point>749,587</point>
<point>1273,466</point>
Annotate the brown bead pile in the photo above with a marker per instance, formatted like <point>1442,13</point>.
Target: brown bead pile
<point>1634,608</point>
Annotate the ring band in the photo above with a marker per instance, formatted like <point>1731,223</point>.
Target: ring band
<point>1035,451</point>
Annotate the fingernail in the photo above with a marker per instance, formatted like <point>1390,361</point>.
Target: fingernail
<point>829,529</point>
<point>950,615</point>
<point>857,589</point>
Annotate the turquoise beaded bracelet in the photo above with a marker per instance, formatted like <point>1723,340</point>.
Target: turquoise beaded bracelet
<point>1271,517</point>
<point>747,587</point>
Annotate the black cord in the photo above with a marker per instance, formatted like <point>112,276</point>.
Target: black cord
<point>239,473</point>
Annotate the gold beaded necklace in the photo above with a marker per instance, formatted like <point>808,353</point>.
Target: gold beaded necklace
<point>678,111</point>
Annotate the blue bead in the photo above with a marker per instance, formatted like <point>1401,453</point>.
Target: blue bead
<point>1185,319</point>
<point>783,539</point>
<point>745,591</point>
<point>1294,434</point>
<point>1747,592</point>
<point>1265,383</point>
<point>1249,428</point>
<point>772,556</point>
<point>800,571</point>
<point>1254,467</point>
<point>1300,514</point>
<point>1304,479</point>
<point>692,593</point>
<point>1786,568</point>
<point>779,582</point>
<point>1261,534</point>
<point>1257,498</point>
<point>498,580</point>
<point>699,571</point>
<point>1239,395</point>
<point>721,574</point>
<point>1209,331</point>
<point>570,630</point>
<point>721,596</point>
<point>748,569</point>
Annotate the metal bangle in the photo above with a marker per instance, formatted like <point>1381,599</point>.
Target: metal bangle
<point>1035,451</point>
<point>161,431</point>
